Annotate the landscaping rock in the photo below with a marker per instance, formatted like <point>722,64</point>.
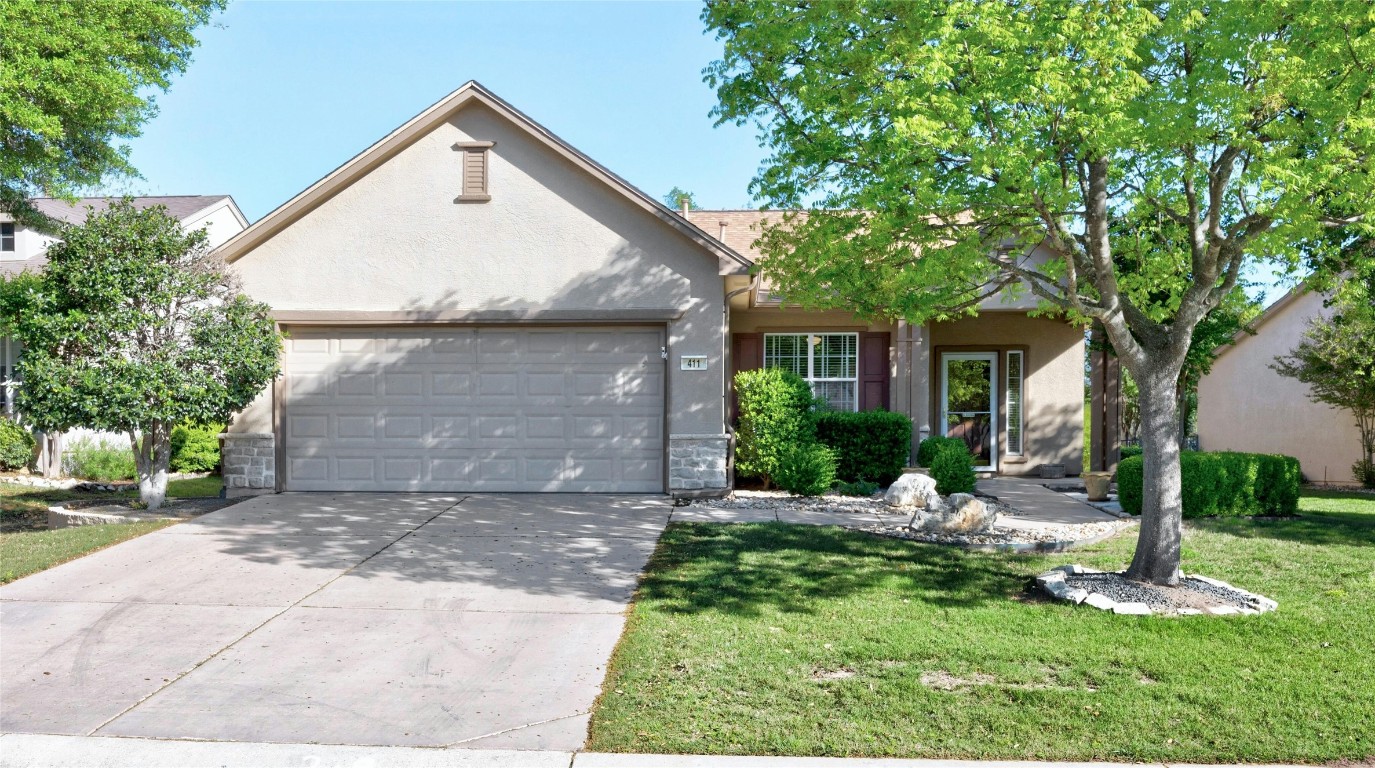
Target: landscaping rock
<point>913,490</point>
<point>1132,609</point>
<point>960,513</point>
<point>1194,595</point>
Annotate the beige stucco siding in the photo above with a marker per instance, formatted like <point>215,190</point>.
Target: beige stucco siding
<point>1244,405</point>
<point>1053,384</point>
<point>551,238</point>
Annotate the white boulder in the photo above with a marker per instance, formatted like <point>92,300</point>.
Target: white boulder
<point>959,513</point>
<point>912,490</point>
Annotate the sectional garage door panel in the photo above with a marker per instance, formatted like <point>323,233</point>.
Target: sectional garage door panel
<point>475,409</point>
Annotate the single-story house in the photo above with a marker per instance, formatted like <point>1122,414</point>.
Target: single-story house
<point>24,249</point>
<point>472,304</point>
<point>1245,405</point>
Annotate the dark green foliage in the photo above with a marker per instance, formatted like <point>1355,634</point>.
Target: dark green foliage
<point>953,468</point>
<point>775,413</point>
<point>1364,472</point>
<point>196,448</point>
<point>1222,484</point>
<point>926,452</point>
<point>16,445</point>
<point>91,459</point>
<point>869,445</point>
<point>806,469</point>
<point>1129,451</point>
<point>857,488</point>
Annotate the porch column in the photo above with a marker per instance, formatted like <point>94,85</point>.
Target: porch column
<point>1105,389</point>
<point>911,384</point>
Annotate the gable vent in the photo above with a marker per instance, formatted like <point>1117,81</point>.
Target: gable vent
<point>473,185</point>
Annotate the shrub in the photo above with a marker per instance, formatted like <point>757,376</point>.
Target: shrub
<point>775,413</point>
<point>1222,484</point>
<point>196,448</point>
<point>16,445</point>
<point>926,452</point>
<point>1129,451</point>
<point>953,468</point>
<point>99,460</point>
<point>857,488</point>
<point>869,445</point>
<point>1364,472</point>
<point>806,469</point>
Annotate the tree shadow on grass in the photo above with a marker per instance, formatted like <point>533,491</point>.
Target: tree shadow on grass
<point>1346,529</point>
<point>742,569</point>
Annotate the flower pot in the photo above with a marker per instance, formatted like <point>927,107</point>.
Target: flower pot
<point>1096,483</point>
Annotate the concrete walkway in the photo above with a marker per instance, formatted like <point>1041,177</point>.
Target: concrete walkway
<point>365,619</point>
<point>24,751</point>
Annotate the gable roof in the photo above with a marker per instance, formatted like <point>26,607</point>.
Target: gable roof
<point>183,207</point>
<point>422,124</point>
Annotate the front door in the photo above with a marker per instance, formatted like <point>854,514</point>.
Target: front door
<point>969,404</point>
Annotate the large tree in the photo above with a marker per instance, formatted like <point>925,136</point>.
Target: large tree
<point>76,78</point>
<point>1156,150</point>
<point>137,327</point>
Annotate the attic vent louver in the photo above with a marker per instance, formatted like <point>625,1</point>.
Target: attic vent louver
<point>474,171</point>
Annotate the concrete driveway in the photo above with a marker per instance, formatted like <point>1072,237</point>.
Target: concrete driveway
<point>370,619</point>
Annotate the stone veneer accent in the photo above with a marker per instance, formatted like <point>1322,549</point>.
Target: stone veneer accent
<point>250,466</point>
<point>697,465</point>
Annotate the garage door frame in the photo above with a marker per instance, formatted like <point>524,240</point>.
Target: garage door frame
<point>377,321</point>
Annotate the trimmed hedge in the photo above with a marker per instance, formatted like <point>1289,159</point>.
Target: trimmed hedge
<point>953,469</point>
<point>1222,484</point>
<point>869,445</point>
<point>16,445</point>
<point>806,469</point>
<point>196,448</point>
<point>775,414</point>
<point>926,452</point>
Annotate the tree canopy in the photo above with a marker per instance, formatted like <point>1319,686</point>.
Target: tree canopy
<point>137,327</point>
<point>76,78</point>
<point>1124,162</point>
<point>677,196</point>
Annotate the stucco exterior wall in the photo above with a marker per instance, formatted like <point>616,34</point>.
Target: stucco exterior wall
<point>551,238</point>
<point>1053,382</point>
<point>1244,405</point>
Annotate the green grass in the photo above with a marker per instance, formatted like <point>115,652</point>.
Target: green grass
<point>27,552</point>
<point>796,640</point>
<point>17,499</point>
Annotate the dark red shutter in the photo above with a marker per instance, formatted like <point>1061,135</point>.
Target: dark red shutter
<point>873,371</point>
<point>746,354</point>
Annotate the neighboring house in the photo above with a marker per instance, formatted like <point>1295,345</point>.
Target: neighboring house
<point>471,304</point>
<point>1245,405</point>
<point>23,249</point>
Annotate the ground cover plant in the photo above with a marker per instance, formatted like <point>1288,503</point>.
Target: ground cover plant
<point>799,640</point>
<point>25,508</point>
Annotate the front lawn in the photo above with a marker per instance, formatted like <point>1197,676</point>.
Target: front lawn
<point>27,547</point>
<point>797,640</point>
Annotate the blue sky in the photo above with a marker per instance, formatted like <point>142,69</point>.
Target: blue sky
<point>279,93</point>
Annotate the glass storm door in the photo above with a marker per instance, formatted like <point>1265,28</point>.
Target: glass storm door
<point>969,403</point>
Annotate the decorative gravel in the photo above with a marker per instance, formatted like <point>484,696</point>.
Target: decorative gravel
<point>1191,593</point>
<point>896,524</point>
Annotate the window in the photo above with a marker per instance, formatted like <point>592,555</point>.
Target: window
<point>1014,402</point>
<point>473,185</point>
<point>828,361</point>
<point>7,237</point>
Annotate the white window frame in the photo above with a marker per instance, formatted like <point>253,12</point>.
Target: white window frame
<point>12,237</point>
<point>811,345</point>
<point>993,400</point>
<point>1020,419</point>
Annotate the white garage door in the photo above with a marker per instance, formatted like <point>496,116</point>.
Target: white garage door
<point>474,409</point>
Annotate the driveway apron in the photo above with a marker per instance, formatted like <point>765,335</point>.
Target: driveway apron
<point>482,621</point>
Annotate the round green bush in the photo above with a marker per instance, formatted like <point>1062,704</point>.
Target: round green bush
<point>869,445</point>
<point>953,468</point>
<point>806,469</point>
<point>196,448</point>
<point>16,445</point>
<point>926,452</point>
<point>775,413</point>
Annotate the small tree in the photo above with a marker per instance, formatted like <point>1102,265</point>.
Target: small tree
<point>1336,359</point>
<point>678,196</point>
<point>137,328</point>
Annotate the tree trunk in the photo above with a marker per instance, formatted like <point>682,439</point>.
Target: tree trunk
<point>152,455</point>
<point>1157,546</point>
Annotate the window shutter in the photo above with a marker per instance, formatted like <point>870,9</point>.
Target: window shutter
<point>873,371</point>
<point>746,354</point>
